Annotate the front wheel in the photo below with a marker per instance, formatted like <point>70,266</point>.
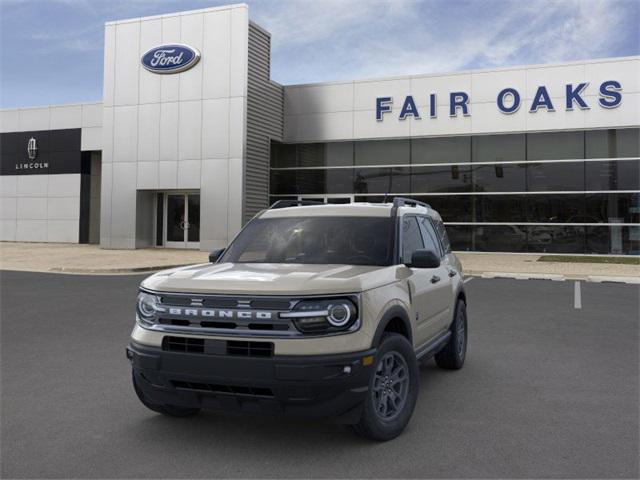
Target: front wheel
<point>452,356</point>
<point>393,390</point>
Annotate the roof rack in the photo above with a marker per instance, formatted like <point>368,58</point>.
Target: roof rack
<point>409,202</point>
<point>293,203</point>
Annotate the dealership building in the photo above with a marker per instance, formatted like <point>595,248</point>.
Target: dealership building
<point>193,138</point>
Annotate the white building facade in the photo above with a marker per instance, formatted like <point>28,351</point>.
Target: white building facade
<point>538,158</point>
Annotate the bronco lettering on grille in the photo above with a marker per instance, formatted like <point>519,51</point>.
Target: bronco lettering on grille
<point>213,313</point>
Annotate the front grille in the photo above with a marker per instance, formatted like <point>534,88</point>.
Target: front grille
<point>217,347</point>
<point>226,302</point>
<point>209,302</point>
<point>229,316</point>
<point>227,389</point>
<point>250,349</point>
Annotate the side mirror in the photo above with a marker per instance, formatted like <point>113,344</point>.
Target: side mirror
<point>424,259</point>
<point>215,255</point>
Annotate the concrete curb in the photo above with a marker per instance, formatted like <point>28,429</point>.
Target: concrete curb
<point>94,271</point>
<point>555,277</point>
<point>600,279</point>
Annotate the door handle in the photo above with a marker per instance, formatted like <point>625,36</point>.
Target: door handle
<point>435,279</point>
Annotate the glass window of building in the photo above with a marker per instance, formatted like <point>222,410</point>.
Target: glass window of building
<point>283,155</point>
<point>381,180</point>
<point>283,182</point>
<point>452,208</point>
<point>612,208</point>
<point>460,237</point>
<point>440,150</point>
<point>499,148</point>
<point>445,178</point>
<point>382,152</point>
<point>613,175</point>
<point>310,155</point>
<point>548,208</point>
<point>612,143</point>
<point>499,178</point>
<point>499,208</point>
<point>499,238</point>
<point>325,154</point>
<point>555,145</point>
<point>616,240</point>
<point>561,176</point>
<point>339,154</point>
<point>324,181</point>
<point>556,239</point>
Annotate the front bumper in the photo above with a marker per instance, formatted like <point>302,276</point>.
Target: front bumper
<point>318,385</point>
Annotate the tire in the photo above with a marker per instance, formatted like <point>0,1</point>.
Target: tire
<point>169,410</point>
<point>385,416</point>
<point>452,356</point>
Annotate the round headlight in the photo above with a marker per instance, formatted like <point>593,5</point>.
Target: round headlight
<point>339,314</point>
<point>146,305</point>
<point>324,315</point>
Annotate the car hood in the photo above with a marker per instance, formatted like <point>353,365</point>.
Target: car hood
<point>270,279</point>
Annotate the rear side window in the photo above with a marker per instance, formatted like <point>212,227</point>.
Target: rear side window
<point>442,233</point>
<point>411,238</point>
<point>430,238</point>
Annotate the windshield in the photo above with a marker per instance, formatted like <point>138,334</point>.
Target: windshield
<point>317,240</point>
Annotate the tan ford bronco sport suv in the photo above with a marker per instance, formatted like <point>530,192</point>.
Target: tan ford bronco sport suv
<point>312,310</point>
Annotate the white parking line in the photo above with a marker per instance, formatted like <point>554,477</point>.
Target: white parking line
<point>577,296</point>
<point>467,280</point>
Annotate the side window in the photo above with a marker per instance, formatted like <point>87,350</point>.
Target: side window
<point>442,233</point>
<point>411,238</point>
<point>430,238</point>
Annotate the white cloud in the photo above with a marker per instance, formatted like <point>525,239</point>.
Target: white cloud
<point>326,40</point>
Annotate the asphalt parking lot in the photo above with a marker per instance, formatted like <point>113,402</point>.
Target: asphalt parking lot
<point>549,390</point>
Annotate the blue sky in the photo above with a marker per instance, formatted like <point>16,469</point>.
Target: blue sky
<point>51,51</point>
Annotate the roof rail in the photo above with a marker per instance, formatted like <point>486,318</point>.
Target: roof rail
<point>409,202</point>
<point>293,203</point>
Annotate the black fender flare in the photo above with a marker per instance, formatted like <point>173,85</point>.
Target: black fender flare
<point>396,311</point>
<point>461,294</point>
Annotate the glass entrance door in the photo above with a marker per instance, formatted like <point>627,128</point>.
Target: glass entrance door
<point>182,220</point>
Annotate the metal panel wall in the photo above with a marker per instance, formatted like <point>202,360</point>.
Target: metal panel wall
<point>184,131</point>
<point>265,120</point>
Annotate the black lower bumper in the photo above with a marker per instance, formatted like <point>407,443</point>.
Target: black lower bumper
<point>322,385</point>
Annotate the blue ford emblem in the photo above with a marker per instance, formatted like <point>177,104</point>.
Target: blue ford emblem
<point>172,58</point>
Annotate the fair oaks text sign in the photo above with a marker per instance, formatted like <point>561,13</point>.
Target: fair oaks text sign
<point>508,100</point>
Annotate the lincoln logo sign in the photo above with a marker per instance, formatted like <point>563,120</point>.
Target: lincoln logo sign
<point>172,58</point>
<point>32,154</point>
<point>32,149</point>
<point>508,101</point>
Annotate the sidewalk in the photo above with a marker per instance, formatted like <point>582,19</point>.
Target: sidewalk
<point>527,266</point>
<point>90,259</point>
<point>72,258</point>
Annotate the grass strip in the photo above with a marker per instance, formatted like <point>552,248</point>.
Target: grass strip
<point>635,260</point>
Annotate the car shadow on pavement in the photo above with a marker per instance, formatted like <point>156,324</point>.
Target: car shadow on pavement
<point>239,429</point>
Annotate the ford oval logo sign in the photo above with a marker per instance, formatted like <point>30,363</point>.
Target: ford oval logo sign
<point>172,58</point>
